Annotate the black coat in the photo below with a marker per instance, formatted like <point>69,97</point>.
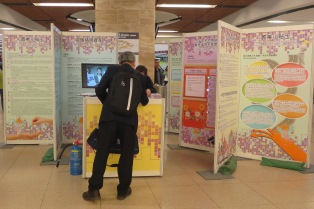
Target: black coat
<point>150,85</point>
<point>102,91</point>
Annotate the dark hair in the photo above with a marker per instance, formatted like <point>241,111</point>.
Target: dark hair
<point>142,69</point>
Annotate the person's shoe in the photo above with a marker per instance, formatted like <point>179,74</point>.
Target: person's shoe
<point>125,195</point>
<point>91,195</point>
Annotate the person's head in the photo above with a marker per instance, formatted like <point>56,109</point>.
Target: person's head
<point>99,71</point>
<point>157,62</point>
<point>142,69</point>
<point>127,57</point>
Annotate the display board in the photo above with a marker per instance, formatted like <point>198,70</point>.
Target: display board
<point>29,87</point>
<point>58,91</point>
<point>276,93</point>
<point>227,103</point>
<point>264,93</point>
<point>149,161</point>
<point>129,41</point>
<point>78,48</point>
<point>198,90</point>
<point>174,85</point>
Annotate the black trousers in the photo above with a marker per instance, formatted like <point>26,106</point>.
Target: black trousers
<point>107,135</point>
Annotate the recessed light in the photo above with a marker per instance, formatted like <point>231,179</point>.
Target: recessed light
<point>80,30</point>
<point>63,4</point>
<point>277,21</point>
<point>187,5</point>
<point>7,28</point>
<point>167,31</point>
<point>166,36</point>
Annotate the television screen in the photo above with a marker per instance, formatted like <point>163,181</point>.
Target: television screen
<point>92,74</point>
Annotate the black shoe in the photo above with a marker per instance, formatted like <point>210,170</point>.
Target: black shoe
<point>91,195</point>
<point>123,196</point>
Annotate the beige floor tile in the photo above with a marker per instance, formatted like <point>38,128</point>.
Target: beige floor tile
<point>69,199</point>
<point>184,197</point>
<point>179,180</point>
<point>7,160</point>
<point>129,207</point>
<point>141,197</point>
<point>234,195</point>
<point>303,205</point>
<point>198,179</point>
<point>21,199</point>
<point>252,207</point>
<point>24,182</point>
<point>286,191</point>
<point>62,181</point>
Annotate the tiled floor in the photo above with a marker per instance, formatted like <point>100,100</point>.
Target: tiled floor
<point>24,184</point>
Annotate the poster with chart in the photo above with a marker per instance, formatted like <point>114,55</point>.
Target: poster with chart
<point>198,100</point>
<point>276,93</point>
<point>99,48</point>
<point>128,41</point>
<point>227,103</point>
<point>175,78</point>
<point>28,87</point>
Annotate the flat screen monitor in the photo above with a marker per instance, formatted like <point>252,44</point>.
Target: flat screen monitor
<point>92,74</point>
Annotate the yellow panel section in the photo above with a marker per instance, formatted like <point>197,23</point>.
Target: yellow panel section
<point>149,135</point>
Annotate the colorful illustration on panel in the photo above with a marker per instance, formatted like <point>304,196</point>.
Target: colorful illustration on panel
<point>175,49</point>
<point>259,90</point>
<point>226,146</point>
<point>289,106</point>
<point>82,44</point>
<point>290,75</point>
<point>22,129</point>
<point>258,116</point>
<point>200,49</point>
<point>73,129</point>
<point>230,40</point>
<point>197,136</point>
<point>194,113</point>
<point>258,70</point>
<point>30,43</point>
<point>289,147</point>
<point>149,138</point>
<point>271,42</point>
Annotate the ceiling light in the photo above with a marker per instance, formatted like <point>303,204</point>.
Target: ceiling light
<point>167,31</point>
<point>63,4</point>
<point>7,28</point>
<point>80,30</point>
<point>166,36</point>
<point>277,21</point>
<point>187,5</point>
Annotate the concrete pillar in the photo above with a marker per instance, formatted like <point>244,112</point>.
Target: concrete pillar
<point>130,16</point>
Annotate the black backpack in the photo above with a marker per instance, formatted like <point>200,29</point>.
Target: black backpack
<point>125,93</point>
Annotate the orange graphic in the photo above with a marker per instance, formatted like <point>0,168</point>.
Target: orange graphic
<point>290,148</point>
<point>290,106</point>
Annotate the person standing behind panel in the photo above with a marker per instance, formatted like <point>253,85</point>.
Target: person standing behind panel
<point>159,72</point>
<point>149,83</point>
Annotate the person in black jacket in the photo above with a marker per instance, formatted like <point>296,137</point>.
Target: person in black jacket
<point>110,125</point>
<point>149,83</point>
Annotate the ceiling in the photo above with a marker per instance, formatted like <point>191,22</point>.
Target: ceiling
<point>192,19</point>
